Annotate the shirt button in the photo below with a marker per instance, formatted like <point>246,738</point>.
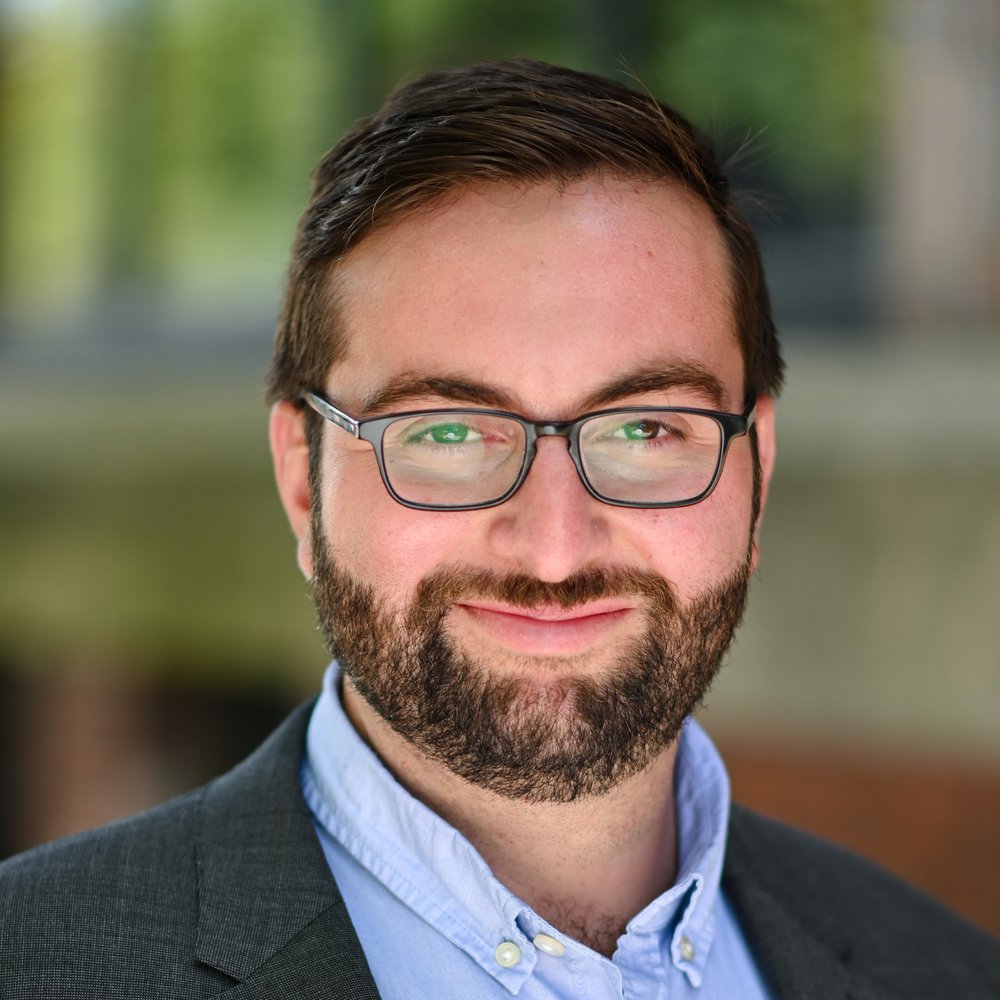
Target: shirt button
<point>687,948</point>
<point>543,942</point>
<point>508,954</point>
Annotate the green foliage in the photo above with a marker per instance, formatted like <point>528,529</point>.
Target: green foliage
<point>161,148</point>
<point>798,77</point>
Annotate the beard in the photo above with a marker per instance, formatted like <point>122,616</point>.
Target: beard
<point>558,740</point>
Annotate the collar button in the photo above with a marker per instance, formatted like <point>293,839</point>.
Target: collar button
<point>507,954</point>
<point>687,948</point>
<point>548,944</point>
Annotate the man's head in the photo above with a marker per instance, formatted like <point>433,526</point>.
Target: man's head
<point>522,238</point>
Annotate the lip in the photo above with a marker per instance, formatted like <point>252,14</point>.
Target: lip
<point>546,630</point>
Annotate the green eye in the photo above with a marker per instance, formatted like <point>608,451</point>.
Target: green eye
<point>639,430</point>
<point>451,433</point>
<point>448,433</point>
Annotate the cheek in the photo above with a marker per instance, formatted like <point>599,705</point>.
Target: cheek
<point>378,540</point>
<point>697,547</point>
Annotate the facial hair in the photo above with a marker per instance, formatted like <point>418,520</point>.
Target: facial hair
<point>569,737</point>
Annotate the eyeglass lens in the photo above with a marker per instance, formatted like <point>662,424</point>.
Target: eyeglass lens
<point>463,458</point>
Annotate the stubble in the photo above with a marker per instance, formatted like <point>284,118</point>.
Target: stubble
<point>570,736</point>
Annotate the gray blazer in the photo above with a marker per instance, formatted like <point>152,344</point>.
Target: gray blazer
<point>225,892</point>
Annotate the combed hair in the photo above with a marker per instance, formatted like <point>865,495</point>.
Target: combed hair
<point>512,122</point>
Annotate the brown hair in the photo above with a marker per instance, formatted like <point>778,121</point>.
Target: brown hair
<point>519,122</point>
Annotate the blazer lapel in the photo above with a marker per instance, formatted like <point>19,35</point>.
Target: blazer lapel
<point>796,962</point>
<point>269,913</point>
<point>322,962</point>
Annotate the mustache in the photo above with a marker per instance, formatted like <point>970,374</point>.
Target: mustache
<point>443,587</point>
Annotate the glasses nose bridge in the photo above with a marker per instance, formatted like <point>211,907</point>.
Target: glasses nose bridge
<point>555,428</point>
<point>565,429</point>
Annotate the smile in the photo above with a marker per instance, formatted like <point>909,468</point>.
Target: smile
<point>546,631</point>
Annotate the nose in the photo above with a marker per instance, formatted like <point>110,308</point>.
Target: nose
<point>552,526</point>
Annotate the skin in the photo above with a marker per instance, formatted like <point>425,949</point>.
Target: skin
<point>541,298</point>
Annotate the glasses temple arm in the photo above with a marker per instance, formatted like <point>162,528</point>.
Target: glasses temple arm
<point>328,411</point>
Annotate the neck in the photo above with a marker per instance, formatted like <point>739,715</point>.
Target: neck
<point>586,866</point>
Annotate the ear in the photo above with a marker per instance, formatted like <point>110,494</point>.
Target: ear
<point>290,454</point>
<point>766,445</point>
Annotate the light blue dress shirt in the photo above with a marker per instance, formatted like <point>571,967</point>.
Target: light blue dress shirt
<point>435,923</point>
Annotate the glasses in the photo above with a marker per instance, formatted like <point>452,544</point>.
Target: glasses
<point>468,459</point>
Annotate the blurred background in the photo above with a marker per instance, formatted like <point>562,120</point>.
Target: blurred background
<point>155,155</point>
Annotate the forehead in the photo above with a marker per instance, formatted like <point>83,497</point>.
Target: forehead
<point>546,292</point>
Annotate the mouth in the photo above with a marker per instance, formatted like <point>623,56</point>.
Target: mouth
<point>549,630</point>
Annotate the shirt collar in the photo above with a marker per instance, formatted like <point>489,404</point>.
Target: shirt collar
<point>438,874</point>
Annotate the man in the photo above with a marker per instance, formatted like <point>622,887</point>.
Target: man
<point>523,429</point>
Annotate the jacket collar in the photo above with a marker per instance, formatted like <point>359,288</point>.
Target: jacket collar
<point>269,912</point>
<point>799,961</point>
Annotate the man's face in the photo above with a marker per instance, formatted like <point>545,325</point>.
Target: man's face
<point>554,632</point>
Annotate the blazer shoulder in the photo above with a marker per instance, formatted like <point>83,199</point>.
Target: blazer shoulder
<point>160,837</point>
<point>115,911</point>
<point>108,912</point>
<point>857,909</point>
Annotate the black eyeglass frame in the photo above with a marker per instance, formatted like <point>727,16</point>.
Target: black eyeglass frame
<point>372,430</point>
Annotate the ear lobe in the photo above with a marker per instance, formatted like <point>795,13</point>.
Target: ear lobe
<point>290,455</point>
<point>766,449</point>
<point>304,554</point>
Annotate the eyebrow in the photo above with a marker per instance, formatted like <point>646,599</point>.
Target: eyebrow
<point>682,375</point>
<point>689,375</point>
<point>408,386</point>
